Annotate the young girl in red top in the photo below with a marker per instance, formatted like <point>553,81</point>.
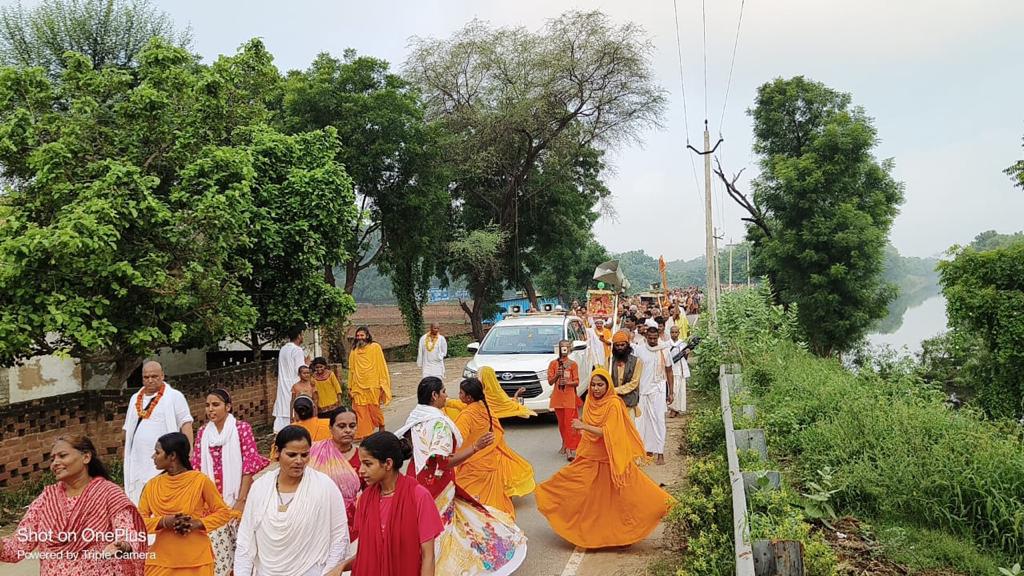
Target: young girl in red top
<point>396,516</point>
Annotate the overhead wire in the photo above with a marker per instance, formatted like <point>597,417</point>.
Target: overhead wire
<point>704,24</point>
<point>732,65</point>
<point>682,89</point>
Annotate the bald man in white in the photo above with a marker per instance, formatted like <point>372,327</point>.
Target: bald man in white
<point>156,409</point>
<point>432,351</point>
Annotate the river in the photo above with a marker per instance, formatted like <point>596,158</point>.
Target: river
<point>921,321</point>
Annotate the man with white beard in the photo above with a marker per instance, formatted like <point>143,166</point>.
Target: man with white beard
<point>656,383</point>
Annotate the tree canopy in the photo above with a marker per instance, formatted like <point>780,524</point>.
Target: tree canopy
<point>822,209</point>
<point>396,163</point>
<point>520,105</point>
<point>984,292</point>
<point>107,32</point>
<point>136,197</point>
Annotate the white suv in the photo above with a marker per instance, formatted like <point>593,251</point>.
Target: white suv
<point>520,349</point>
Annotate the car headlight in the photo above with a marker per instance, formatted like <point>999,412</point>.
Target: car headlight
<point>469,373</point>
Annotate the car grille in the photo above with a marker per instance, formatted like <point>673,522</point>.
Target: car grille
<point>528,380</point>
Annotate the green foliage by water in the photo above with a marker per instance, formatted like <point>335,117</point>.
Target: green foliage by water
<point>825,205</point>
<point>984,291</point>
<point>900,455</point>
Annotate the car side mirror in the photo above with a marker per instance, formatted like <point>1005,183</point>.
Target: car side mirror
<point>579,346</point>
<point>473,347</point>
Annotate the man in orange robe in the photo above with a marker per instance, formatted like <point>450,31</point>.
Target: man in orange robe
<point>369,383</point>
<point>564,377</point>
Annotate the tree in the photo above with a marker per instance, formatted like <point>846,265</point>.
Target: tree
<point>108,32</point>
<point>476,255</point>
<point>513,101</point>
<point>1016,172</point>
<point>821,210</point>
<point>136,198</point>
<point>304,213</point>
<point>984,292</point>
<point>571,270</point>
<point>395,160</point>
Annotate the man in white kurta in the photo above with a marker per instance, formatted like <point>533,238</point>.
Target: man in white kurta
<point>655,393</point>
<point>432,351</point>
<point>289,359</point>
<point>156,409</point>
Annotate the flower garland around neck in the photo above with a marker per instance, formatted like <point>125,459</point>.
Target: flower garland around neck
<point>144,414</point>
<point>431,342</point>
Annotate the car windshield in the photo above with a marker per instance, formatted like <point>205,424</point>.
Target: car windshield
<point>522,340</point>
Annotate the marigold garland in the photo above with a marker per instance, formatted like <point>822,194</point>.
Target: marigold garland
<point>144,414</point>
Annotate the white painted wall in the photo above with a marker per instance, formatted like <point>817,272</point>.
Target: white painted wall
<point>43,376</point>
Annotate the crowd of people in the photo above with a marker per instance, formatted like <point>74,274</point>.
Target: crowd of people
<point>338,499</point>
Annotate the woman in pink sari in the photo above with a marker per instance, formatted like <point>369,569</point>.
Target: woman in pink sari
<point>334,458</point>
<point>84,525</point>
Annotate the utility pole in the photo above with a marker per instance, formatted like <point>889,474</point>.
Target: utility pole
<point>718,264</point>
<point>748,265</point>
<point>709,240</point>
<point>731,248</point>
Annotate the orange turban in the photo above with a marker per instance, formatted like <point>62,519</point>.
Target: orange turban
<point>620,336</point>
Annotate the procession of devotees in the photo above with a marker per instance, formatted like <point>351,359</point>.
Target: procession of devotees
<point>435,496</point>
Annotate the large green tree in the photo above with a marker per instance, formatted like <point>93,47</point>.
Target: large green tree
<point>108,32</point>
<point>304,210</point>
<point>515,100</point>
<point>822,209</point>
<point>134,198</point>
<point>397,167</point>
<point>984,292</point>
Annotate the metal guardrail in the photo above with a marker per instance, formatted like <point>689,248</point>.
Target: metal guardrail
<point>741,529</point>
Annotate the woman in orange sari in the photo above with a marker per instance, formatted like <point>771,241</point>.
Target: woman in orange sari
<point>602,498</point>
<point>495,472</point>
<point>181,506</point>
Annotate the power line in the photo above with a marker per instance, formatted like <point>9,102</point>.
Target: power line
<point>682,89</point>
<point>704,21</point>
<point>732,64</point>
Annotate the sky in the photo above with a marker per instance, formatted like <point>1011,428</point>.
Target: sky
<point>941,78</point>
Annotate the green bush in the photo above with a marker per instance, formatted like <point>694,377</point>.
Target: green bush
<point>899,452</point>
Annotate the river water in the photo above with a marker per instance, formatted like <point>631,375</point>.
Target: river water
<point>920,322</point>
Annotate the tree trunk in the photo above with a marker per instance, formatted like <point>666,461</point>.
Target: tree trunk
<point>123,368</point>
<point>531,292</point>
<point>256,346</point>
<point>351,273</point>
<point>476,320</point>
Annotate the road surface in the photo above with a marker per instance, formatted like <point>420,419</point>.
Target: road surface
<point>536,440</point>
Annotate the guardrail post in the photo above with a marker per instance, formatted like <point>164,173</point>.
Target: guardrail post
<point>752,439</point>
<point>778,558</point>
<point>741,530</point>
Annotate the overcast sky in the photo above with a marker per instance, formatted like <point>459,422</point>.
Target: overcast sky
<point>941,78</point>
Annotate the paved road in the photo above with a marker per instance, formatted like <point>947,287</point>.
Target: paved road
<point>536,440</point>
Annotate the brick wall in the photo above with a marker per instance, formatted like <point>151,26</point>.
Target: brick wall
<point>29,428</point>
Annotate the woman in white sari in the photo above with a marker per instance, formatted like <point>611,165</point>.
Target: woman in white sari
<point>498,545</point>
<point>294,522</point>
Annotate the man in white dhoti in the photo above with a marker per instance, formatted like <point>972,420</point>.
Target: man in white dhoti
<point>432,351</point>
<point>156,409</point>
<point>655,393</point>
<point>680,372</point>
<point>289,359</point>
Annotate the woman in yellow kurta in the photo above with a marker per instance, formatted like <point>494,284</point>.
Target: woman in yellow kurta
<point>181,506</point>
<point>602,498</point>
<point>369,383</point>
<point>495,473</point>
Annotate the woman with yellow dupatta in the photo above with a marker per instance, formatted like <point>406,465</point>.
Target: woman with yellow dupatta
<point>495,473</point>
<point>602,498</point>
<point>181,506</point>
